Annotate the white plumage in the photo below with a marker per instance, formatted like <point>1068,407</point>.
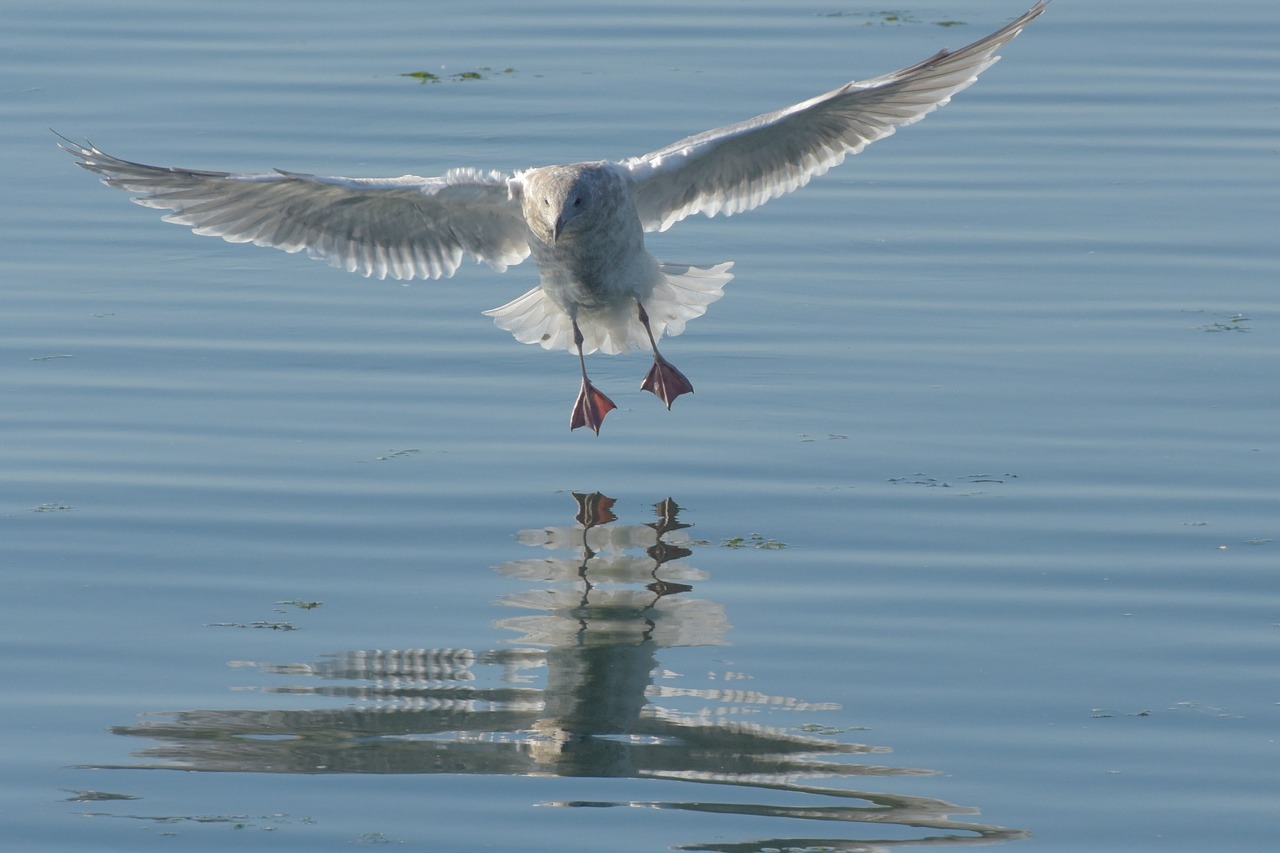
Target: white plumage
<point>584,223</point>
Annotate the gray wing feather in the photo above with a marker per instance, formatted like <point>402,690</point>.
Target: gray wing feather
<point>741,166</point>
<point>404,228</point>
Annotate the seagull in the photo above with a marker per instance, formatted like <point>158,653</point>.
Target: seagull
<point>583,223</point>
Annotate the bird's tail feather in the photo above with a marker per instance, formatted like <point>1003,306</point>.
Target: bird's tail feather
<point>682,293</point>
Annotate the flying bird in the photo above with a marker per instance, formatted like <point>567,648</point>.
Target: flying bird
<point>584,223</point>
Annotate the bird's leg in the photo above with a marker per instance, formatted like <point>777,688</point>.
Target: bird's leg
<point>592,405</point>
<point>663,378</point>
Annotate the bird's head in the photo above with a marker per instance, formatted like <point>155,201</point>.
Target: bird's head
<point>559,200</point>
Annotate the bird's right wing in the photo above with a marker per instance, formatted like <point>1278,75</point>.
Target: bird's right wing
<point>741,166</point>
<point>405,228</point>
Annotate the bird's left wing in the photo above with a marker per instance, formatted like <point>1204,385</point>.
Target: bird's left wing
<point>407,227</point>
<point>741,166</point>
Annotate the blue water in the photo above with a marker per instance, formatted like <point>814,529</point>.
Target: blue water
<point>980,476</point>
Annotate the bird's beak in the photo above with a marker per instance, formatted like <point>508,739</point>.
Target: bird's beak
<point>557,229</point>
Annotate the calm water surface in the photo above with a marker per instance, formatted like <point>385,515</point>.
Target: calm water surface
<point>970,534</point>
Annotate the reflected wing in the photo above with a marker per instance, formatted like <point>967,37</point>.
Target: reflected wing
<point>741,166</point>
<point>407,227</point>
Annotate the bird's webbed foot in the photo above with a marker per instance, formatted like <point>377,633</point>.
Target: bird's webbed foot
<point>665,381</point>
<point>591,407</point>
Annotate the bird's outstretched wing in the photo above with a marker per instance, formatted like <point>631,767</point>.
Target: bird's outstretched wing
<point>741,166</point>
<point>407,227</point>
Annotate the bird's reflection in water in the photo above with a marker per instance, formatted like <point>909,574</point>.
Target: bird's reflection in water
<point>604,607</point>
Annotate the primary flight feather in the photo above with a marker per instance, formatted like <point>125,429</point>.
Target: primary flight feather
<point>584,223</point>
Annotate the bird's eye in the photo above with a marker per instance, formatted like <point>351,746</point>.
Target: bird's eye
<point>577,202</point>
